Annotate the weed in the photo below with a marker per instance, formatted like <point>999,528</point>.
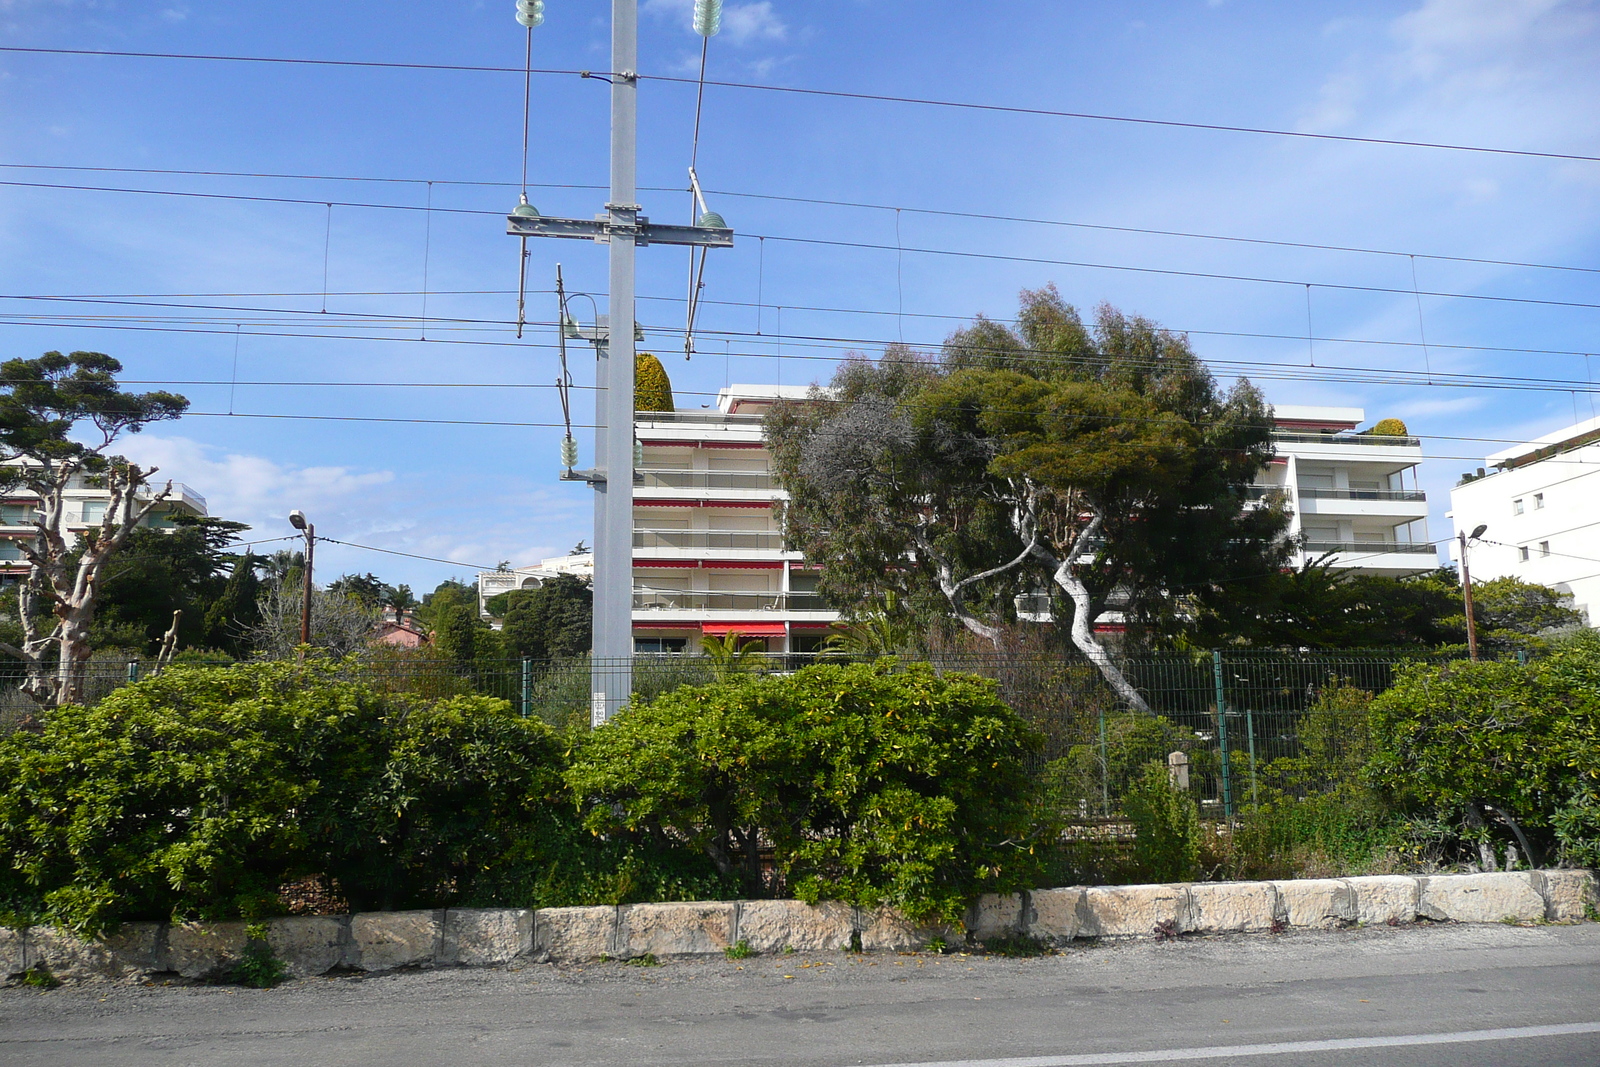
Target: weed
<point>739,950</point>
<point>1018,947</point>
<point>855,942</point>
<point>939,945</point>
<point>39,977</point>
<point>788,950</point>
<point>647,960</point>
<point>1166,929</point>
<point>257,968</point>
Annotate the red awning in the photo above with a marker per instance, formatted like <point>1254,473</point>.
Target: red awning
<point>743,629</point>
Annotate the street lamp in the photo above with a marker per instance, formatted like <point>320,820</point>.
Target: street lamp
<point>1466,587</point>
<point>297,519</point>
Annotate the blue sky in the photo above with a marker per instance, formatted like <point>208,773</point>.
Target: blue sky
<point>1521,74</point>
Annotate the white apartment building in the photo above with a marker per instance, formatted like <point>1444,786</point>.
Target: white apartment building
<point>1352,494</point>
<point>709,560</point>
<point>1541,503</point>
<point>85,506</point>
<point>708,555</point>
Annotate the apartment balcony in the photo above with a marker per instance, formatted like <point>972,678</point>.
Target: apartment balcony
<point>700,542</point>
<point>1389,503</point>
<point>700,606</point>
<point>1341,440</point>
<point>691,485</point>
<point>1394,558</point>
<point>697,418</point>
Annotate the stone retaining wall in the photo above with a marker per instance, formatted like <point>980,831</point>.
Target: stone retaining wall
<point>387,941</point>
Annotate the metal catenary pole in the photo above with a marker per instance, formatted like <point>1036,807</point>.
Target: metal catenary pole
<point>611,679</point>
<point>624,228</point>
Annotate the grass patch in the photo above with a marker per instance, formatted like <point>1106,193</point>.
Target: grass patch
<point>739,950</point>
<point>647,960</point>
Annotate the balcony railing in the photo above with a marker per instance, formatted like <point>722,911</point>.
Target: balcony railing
<point>1379,440</point>
<point>1317,548</point>
<point>700,600</point>
<point>703,418</point>
<point>676,479</point>
<point>729,540</point>
<point>1414,495</point>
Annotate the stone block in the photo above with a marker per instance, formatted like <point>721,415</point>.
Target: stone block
<point>136,948</point>
<point>694,928</point>
<point>476,937</point>
<point>1316,903</point>
<point>1385,899</point>
<point>1055,914</point>
<point>1569,896</point>
<point>569,934</point>
<point>888,930</point>
<point>204,950</point>
<point>385,940</point>
<point>1133,910</point>
<point>1230,908</point>
<point>996,915</point>
<point>1479,898</point>
<point>775,925</point>
<point>308,945</point>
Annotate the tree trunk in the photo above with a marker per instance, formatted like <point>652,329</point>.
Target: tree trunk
<point>1083,618</point>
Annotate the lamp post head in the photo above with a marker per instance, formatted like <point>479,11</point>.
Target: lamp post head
<point>1478,531</point>
<point>297,519</point>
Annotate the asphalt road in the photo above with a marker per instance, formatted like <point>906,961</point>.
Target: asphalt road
<point>1456,995</point>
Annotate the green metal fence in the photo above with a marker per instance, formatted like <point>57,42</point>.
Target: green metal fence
<point>1240,720</point>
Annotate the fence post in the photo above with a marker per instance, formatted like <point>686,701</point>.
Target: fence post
<point>1105,768</point>
<point>133,670</point>
<point>527,687</point>
<point>1250,729</point>
<point>1222,736</point>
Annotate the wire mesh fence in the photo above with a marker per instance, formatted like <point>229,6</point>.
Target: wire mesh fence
<point>1238,725</point>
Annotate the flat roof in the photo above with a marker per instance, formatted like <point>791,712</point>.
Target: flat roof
<point>1318,413</point>
<point>729,396</point>
<point>1550,440</point>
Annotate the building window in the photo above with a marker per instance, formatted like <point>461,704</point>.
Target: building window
<point>9,549</point>
<point>1538,501</point>
<point>1524,551</point>
<point>94,510</point>
<point>1516,506</point>
<point>1544,548</point>
<point>660,645</point>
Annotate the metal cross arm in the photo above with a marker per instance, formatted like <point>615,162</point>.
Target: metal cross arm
<point>602,227</point>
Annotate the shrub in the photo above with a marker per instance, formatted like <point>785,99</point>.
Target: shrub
<point>872,784</point>
<point>1084,780</point>
<point>200,792</point>
<point>652,389</point>
<point>1166,823</point>
<point>1523,740</point>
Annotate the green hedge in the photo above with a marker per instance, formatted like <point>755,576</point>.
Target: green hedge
<point>1518,740</point>
<point>870,783</point>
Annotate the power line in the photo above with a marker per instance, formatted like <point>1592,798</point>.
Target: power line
<point>866,245</point>
<point>131,298</point>
<point>983,216</point>
<point>839,94</point>
<point>1093,117</point>
<point>410,555</point>
<point>1297,282</point>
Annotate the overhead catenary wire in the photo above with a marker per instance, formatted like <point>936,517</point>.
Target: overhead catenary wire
<point>841,94</point>
<point>818,201</point>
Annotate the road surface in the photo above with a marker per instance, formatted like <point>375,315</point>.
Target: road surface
<point>1424,995</point>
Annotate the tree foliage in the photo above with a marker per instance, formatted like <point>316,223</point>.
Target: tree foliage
<point>652,390</point>
<point>1520,740</point>
<point>1103,460</point>
<point>553,621</point>
<point>200,792</point>
<point>1317,606</point>
<point>871,783</point>
<point>187,568</point>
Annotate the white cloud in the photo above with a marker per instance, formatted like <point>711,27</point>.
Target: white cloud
<point>262,491</point>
